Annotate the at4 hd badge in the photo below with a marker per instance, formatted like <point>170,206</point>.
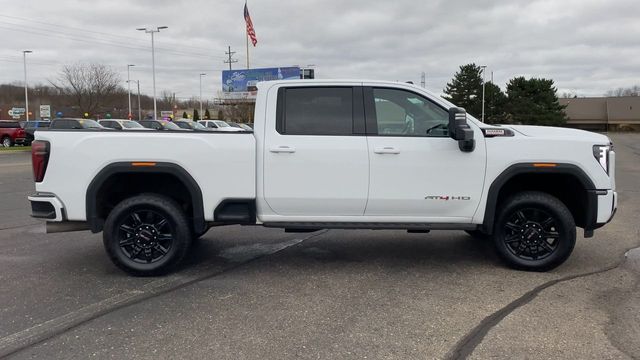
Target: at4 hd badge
<point>446,197</point>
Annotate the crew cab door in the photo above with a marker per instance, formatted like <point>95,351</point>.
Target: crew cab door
<point>417,170</point>
<point>315,152</point>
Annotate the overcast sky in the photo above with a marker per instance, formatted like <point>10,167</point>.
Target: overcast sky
<point>586,46</point>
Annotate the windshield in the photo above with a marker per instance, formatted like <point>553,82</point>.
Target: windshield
<point>183,124</point>
<point>221,123</point>
<point>170,126</point>
<point>198,126</point>
<point>129,124</point>
<point>90,124</point>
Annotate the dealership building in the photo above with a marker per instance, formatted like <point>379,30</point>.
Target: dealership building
<point>603,113</point>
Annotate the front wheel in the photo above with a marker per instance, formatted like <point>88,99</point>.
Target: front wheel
<point>534,231</point>
<point>147,235</point>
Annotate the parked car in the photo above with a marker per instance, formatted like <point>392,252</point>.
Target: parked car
<point>324,162</point>
<point>11,133</point>
<point>30,127</point>
<point>161,125</point>
<point>122,124</point>
<point>191,125</point>
<point>239,126</point>
<point>76,124</point>
<point>219,125</point>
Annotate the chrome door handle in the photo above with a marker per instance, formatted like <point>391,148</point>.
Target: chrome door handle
<point>283,149</point>
<point>386,150</point>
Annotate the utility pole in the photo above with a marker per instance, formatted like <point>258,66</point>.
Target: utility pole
<point>200,115</point>
<point>139,105</point>
<point>230,61</point>
<point>26,93</point>
<point>484,68</point>
<point>153,64</point>
<point>423,80</point>
<point>129,88</point>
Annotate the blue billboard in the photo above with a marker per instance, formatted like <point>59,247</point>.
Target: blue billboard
<point>245,80</point>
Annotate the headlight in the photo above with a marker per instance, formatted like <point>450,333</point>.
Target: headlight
<point>601,153</point>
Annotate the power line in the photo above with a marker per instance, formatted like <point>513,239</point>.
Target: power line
<point>57,26</point>
<point>53,33</point>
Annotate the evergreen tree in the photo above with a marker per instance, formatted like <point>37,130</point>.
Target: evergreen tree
<point>207,115</point>
<point>534,101</point>
<point>184,115</point>
<point>494,104</point>
<point>196,116</point>
<point>465,89</point>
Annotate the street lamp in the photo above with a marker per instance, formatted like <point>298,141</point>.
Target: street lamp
<point>153,64</point>
<point>139,106</point>
<point>201,75</point>
<point>26,93</point>
<point>484,68</point>
<point>129,90</point>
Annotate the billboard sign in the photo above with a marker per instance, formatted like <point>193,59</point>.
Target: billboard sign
<point>242,83</point>
<point>45,111</point>
<point>166,114</point>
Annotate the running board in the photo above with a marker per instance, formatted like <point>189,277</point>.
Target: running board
<point>300,226</point>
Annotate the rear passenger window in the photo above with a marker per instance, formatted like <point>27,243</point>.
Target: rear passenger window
<point>316,111</point>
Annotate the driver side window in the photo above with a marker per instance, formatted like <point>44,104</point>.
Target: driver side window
<point>404,113</point>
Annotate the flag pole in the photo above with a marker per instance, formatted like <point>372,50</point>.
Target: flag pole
<point>246,35</point>
<point>247,38</point>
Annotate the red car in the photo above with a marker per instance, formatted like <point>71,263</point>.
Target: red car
<point>11,133</point>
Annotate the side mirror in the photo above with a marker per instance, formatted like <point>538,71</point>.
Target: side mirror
<point>459,129</point>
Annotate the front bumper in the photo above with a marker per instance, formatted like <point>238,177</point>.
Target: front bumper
<point>604,204</point>
<point>46,206</point>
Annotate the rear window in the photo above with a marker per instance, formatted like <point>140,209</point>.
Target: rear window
<point>316,111</point>
<point>9,124</point>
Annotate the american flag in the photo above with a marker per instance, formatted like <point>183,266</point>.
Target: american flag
<point>250,31</point>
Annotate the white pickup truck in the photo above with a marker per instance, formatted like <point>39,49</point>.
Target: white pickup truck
<point>329,155</point>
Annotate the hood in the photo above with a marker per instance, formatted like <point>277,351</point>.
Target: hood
<point>559,133</point>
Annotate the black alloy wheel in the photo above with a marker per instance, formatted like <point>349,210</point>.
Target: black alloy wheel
<point>145,236</point>
<point>534,231</point>
<point>531,234</point>
<point>148,234</point>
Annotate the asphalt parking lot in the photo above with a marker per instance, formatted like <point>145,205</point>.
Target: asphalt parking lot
<point>257,293</point>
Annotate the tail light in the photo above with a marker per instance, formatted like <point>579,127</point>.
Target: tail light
<point>39,159</point>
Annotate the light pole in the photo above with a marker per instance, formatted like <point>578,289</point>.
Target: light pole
<point>139,106</point>
<point>153,64</point>
<point>129,90</point>
<point>201,75</point>
<point>26,93</point>
<point>484,68</point>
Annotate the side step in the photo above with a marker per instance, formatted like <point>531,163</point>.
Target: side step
<point>411,227</point>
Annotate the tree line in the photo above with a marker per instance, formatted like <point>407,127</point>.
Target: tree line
<point>98,90</point>
<point>526,101</point>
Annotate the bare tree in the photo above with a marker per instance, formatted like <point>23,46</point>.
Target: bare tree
<point>630,91</point>
<point>90,84</point>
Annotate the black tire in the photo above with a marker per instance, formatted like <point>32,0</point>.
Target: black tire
<point>6,141</point>
<point>477,234</point>
<point>534,231</point>
<point>147,235</point>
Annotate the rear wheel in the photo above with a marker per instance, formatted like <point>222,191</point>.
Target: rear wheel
<point>6,141</point>
<point>147,235</point>
<point>534,231</point>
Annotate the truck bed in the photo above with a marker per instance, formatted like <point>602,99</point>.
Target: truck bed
<point>223,164</point>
